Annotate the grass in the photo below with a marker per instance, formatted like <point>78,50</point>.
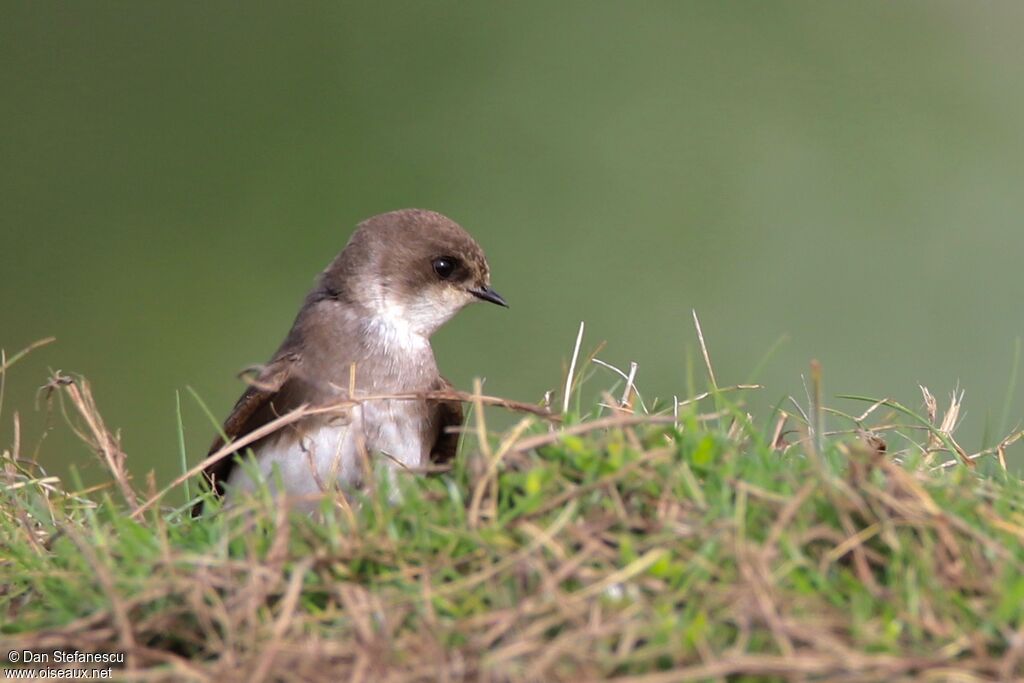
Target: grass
<point>704,545</point>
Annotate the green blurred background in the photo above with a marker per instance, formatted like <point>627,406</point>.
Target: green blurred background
<point>845,175</point>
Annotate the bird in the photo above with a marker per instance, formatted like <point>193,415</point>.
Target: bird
<point>363,330</point>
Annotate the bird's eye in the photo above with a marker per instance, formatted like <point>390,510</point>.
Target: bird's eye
<point>445,266</point>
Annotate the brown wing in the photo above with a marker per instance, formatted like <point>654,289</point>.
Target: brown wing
<point>253,409</point>
<point>449,416</point>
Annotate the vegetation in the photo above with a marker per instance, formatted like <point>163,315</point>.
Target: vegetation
<point>696,543</point>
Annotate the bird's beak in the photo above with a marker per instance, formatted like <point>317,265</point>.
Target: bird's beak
<point>488,294</point>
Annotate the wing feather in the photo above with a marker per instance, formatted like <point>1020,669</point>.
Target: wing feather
<point>255,407</point>
<point>449,418</point>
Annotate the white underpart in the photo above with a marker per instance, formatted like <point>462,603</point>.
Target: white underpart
<point>396,331</point>
<point>406,326</point>
<point>333,456</point>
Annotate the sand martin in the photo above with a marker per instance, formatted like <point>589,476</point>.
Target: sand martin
<point>364,328</point>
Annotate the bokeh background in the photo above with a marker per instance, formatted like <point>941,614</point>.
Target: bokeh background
<point>846,177</point>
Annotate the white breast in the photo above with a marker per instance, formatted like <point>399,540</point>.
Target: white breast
<point>304,466</point>
<point>392,433</point>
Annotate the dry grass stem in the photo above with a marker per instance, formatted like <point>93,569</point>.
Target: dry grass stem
<point>704,351</point>
<point>567,393</point>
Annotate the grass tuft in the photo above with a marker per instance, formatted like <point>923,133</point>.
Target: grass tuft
<point>690,545</point>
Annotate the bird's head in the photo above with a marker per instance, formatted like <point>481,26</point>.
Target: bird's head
<point>415,267</point>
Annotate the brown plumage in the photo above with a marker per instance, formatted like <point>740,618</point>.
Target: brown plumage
<point>367,324</point>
